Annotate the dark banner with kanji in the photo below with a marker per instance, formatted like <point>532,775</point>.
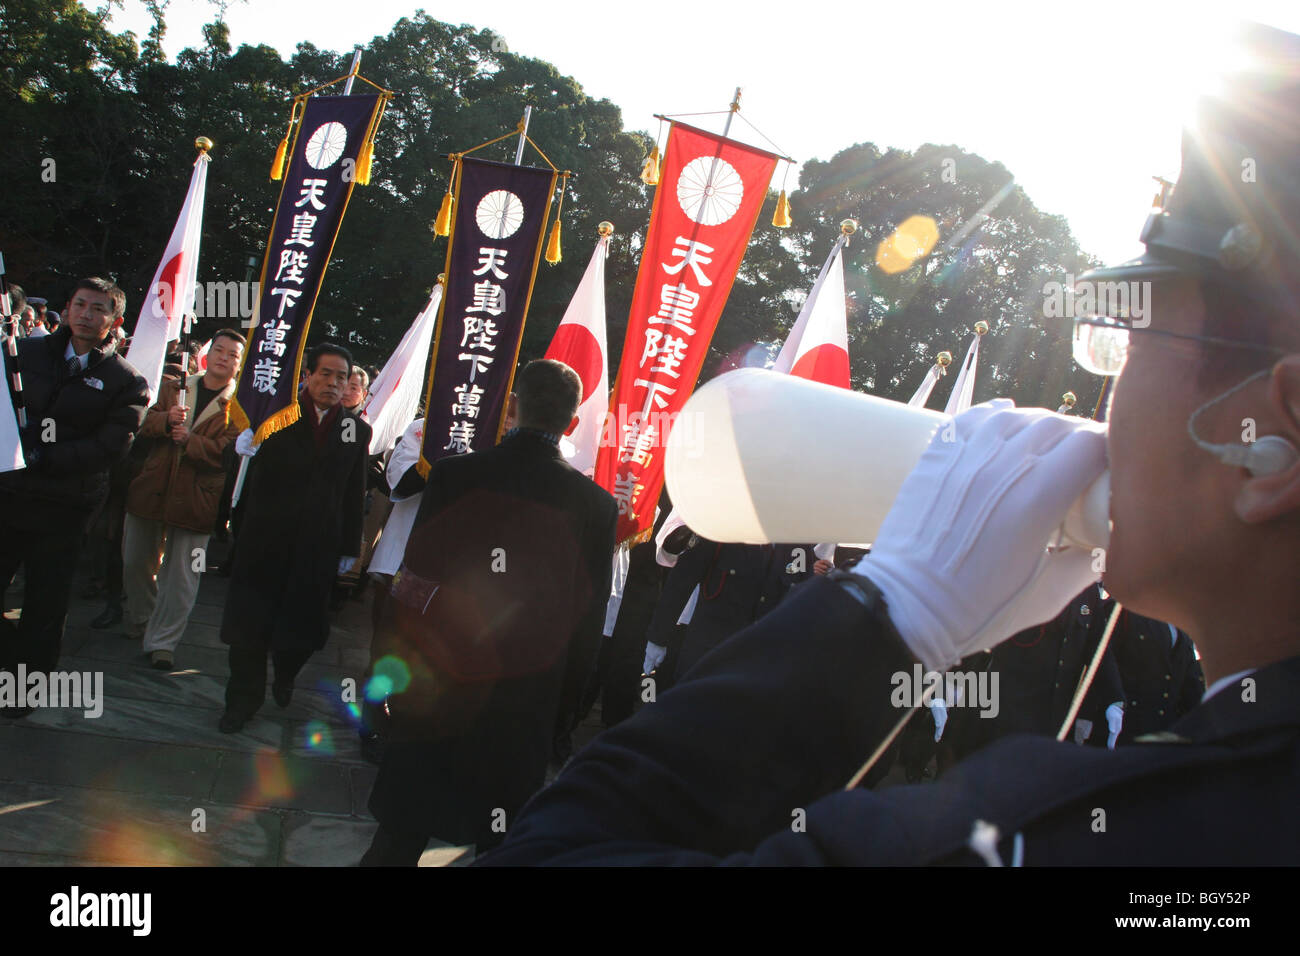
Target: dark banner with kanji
<point>318,182</point>
<point>495,244</point>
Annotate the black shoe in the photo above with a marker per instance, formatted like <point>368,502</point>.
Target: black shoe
<point>111,616</point>
<point>283,694</point>
<point>161,661</point>
<point>231,723</point>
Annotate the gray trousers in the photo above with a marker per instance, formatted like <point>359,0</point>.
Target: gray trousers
<point>159,580</point>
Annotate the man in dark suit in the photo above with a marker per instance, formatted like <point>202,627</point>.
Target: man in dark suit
<point>84,403</point>
<point>747,758</point>
<point>497,612</point>
<point>304,496</point>
<point>1160,677</point>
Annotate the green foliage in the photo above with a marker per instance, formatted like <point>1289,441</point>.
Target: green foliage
<point>120,121</point>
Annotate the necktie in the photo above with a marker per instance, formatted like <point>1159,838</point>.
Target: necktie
<point>74,366</point>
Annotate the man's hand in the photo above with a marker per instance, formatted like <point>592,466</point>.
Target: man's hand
<point>654,656</point>
<point>963,557</point>
<point>175,415</point>
<point>244,444</point>
<point>180,434</point>
<point>1114,723</point>
<point>821,566</point>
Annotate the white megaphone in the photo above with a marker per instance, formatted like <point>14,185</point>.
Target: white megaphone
<point>759,456</point>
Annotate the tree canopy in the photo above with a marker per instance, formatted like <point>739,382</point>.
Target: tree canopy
<point>115,123</point>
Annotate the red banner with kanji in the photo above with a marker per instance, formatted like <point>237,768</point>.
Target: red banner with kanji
<point>709,195</point>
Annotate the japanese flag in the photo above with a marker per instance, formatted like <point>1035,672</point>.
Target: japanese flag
<point>395,392</point>
<point>171,294</point>
<point>818,345</point>
<point>579,343</point>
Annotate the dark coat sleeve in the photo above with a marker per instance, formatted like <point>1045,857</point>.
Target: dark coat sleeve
<point>584,645</point>
<point>682,579</point>
<point>765,726</point>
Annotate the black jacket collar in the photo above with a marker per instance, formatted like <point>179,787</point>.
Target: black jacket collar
<point>57,342</point>
<point>1271,700</point>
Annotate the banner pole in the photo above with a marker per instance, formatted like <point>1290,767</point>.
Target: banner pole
<point>352,71</point>
<point>523,135</point>
<point>735,108</point>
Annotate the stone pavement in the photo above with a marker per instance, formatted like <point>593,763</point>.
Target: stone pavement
<point>153,782</point>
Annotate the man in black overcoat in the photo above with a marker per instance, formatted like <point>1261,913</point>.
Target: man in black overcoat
<point>497,612</point>
<point>304,494</point>
<point>84,404</point>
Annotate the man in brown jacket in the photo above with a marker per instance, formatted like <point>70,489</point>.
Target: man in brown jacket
<point>171,506</point>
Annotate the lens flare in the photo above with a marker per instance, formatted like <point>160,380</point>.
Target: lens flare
<point>910,242</point>
<point>318,736</point>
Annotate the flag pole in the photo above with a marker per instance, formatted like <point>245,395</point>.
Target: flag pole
<point>202,144</point>
<point>523,134</point>
<point>352,70</point>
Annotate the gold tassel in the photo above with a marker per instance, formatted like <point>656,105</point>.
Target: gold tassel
<point>365,158</point>
<point>553,244</point>
<point>650,172</point>
<point>277,164</point>
<point>442,225</point>
<point>781,217</point>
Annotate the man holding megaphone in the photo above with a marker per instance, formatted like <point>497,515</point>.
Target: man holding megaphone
<point>747,758</point>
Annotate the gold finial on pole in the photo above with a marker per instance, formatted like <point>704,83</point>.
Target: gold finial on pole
<point>202,144</point>
<point>944,359</point>
<point>981,327</point>
<point>442,278</point>
<point>1069,398</point>
<point>848,226</point>
<point>604,229</point>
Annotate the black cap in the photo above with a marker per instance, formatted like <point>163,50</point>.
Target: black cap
<point>1234,215</point>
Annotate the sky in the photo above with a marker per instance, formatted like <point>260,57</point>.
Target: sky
<point>1081,102</point>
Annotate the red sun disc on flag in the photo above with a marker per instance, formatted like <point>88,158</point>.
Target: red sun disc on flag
<point>577,348</point>
<point>828,364</point>
<point>169,277</point>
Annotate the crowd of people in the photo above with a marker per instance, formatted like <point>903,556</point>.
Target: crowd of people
<point>742,685</point>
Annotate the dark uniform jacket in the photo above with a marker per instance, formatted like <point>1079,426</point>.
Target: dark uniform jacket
<point>778,719</point>
<point>739,583</point>
<point>303,514</point>
<point>92,415</point>
<point>1161,678</point>
<point>497,614</point>
<point>1038,671</point>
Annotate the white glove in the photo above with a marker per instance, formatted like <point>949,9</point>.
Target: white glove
<point>244,443</point>
<point>1082,730</point>
<point>939,711</point>
<point>654,656</point>
<point>345,565</point>
<point>1115,721</point>
<point>962,556</point>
